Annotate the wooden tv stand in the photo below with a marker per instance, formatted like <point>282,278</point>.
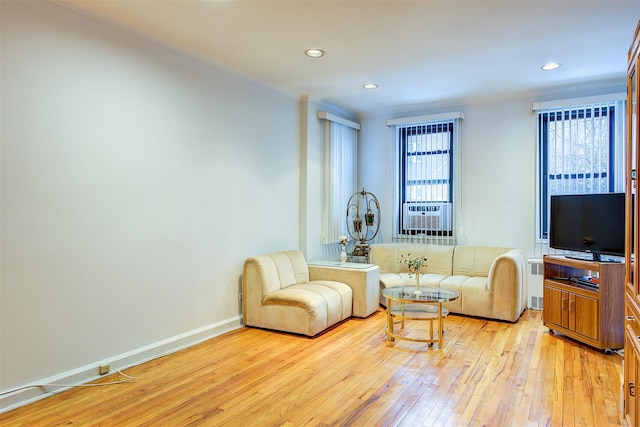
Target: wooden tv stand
<point>594,316</point>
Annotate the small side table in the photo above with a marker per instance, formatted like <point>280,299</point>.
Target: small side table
<point>364,280</point>
<point>411,306</point>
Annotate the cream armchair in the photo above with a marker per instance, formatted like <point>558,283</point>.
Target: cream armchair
<point>278,294</point>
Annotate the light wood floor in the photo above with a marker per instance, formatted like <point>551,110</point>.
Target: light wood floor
<point>488,373</point>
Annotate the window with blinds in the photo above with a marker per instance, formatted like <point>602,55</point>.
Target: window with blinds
<point>579,153</point>
<point>426,179</point>
<point>340,178</point>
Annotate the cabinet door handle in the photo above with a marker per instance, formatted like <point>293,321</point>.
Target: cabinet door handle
<point>630,318</point>
<point>572,304</point>
<point>632,389</point>
<point>564,303</point>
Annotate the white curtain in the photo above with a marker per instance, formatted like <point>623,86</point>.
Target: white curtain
<point>340,181</point>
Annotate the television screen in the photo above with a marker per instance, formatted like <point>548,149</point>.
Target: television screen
<point>588,223</point>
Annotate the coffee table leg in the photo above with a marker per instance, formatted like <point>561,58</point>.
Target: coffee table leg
<point>389,321</point>
<point>431,330</point>
<point>440,326</point>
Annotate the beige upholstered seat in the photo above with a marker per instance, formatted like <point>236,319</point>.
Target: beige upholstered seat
<point>277,294</point>
<point>491,281</point>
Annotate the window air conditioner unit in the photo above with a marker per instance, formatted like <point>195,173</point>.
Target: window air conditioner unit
<point>426,216</point>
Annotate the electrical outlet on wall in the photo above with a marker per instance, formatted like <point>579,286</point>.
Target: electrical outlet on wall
<point>240,297</point>
<point>104,369</point>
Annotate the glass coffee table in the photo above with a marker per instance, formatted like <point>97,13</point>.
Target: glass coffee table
<point>403,303</point>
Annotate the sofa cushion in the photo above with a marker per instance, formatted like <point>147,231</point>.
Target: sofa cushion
<point>476,301</point>
<point>265,274</point>
<point>334,301</point>
<point>386,256</point>
<point>454,283</point>
<point>475,260</point>
<point>438,257</point>
<point>388,280</point>
<point>325,303</point>
<point>284,267</point>
<point>292,319</point>
<point>291,267</point>
<point>344,299</point>
<point>463,259</point>
<point>426,280</point>
<point>312,302</point>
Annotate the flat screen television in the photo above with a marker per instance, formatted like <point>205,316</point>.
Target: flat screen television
<point>592,223</point>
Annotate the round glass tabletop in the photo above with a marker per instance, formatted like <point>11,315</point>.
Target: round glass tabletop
<point>407,293</point>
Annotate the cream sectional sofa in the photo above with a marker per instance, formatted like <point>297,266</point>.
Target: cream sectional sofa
<point>491,281</point>
<point>277,293</point>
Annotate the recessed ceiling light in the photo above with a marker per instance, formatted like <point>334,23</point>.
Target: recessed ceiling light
<point>550,66</point>
<point>314,53</point>
<point>370,86</point>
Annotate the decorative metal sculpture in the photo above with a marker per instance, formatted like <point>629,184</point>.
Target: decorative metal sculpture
<point>363,221</point>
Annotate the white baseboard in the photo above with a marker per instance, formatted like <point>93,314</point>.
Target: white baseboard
<point>30,393</point>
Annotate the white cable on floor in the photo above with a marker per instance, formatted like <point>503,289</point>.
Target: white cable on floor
<point>127,379</point>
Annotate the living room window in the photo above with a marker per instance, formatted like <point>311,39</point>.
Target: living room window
<point>426,160</point>
<point>340,176</point>
<point>580,149</point>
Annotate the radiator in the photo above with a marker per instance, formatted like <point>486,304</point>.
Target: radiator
<point>535,284</point>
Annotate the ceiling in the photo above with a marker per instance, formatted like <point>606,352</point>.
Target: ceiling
<point>418,52</point>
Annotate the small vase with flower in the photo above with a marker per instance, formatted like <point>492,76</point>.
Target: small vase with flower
<point>415,266</point>
<point>343,254</point>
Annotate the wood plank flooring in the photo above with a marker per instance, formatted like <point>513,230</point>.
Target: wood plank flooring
<point>488,373</point>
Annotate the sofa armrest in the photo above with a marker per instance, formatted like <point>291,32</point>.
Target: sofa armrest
<point>507,283</point>
<point>252,287</point>
<point>363,281</point>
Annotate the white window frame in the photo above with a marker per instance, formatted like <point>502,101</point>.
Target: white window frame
<point>448,210</point>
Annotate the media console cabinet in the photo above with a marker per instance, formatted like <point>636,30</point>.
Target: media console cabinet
<point>594,316</point>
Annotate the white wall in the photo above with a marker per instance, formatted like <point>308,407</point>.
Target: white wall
<point>135,181</point>
<point>498,149</point>
<point>311,178</point>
